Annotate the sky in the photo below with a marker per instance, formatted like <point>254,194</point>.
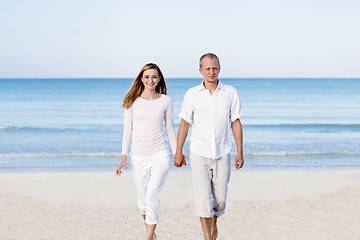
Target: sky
<point>115,38</point>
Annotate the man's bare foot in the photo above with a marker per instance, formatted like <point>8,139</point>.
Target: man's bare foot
<point>214,229</point>
<point>214,233</point>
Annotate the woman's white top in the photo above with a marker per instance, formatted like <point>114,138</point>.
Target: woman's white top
<point>143,126</point>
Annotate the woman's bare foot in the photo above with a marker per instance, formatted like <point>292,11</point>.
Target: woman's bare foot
<point>151,238</point>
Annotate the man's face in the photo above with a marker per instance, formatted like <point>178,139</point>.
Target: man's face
<point>210,69</point>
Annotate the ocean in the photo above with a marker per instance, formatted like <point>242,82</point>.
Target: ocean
<point>77,124</point>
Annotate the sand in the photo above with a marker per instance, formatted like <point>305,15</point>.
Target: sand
<point>272,204</point>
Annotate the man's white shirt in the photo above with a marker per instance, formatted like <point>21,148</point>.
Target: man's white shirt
<point>211,116</point>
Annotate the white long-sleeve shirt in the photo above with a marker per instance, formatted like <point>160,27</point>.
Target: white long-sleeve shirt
<point>143,126</point>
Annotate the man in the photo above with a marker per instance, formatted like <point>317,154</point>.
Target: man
<point>211,108</point>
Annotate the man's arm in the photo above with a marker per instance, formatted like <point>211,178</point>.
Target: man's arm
<point>179,159</point>
<point>238,137</point>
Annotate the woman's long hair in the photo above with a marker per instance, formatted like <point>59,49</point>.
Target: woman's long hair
<point>138,87</point>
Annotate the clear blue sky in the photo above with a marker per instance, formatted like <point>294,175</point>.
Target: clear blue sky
<point>114,38</point>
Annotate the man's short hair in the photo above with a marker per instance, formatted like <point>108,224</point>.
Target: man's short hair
<point>210,55</point>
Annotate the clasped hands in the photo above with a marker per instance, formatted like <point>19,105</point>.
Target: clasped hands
<point>179,159</point>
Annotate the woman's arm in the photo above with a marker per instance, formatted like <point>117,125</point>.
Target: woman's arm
<point>169,124</point>
<point>128,126</point>
<point>126,139</point>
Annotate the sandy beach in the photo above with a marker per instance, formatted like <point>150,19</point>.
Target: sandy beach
<point>262,204</point>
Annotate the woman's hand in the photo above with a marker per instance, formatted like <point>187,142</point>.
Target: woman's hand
<point>121,165</point>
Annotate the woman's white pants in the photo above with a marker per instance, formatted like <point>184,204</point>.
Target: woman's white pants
<point>149,172</point>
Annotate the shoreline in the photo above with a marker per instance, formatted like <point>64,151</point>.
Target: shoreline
<point>173,168</point>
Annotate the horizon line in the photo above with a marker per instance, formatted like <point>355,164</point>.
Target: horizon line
<point>32,78</point>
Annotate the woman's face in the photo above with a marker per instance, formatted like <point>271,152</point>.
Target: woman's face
<point>150,79</point>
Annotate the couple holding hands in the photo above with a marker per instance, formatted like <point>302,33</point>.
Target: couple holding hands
<point>213,109</point>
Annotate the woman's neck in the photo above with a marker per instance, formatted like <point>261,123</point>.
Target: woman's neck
<point>150,95</point>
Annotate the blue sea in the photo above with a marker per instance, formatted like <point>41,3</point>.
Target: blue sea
<point>74,124</point>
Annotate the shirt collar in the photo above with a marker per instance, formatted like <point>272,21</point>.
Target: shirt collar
<point>202,87</point>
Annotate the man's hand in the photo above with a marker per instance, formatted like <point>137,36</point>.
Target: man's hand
<point>239,161</point>
<point>179,159</point>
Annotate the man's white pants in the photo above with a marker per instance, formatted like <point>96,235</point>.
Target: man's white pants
<point>210,180</point>
<point>149,172</point>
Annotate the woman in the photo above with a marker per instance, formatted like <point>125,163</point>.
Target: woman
<point>146,108</point>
